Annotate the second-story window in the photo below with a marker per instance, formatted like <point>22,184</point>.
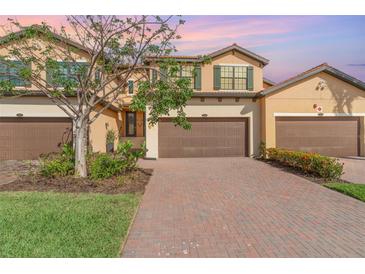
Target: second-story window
<point>130,87</point>
<point>63,72</point>
<point>233,78</point>
<point>187,72</point>
<point>10,71</point>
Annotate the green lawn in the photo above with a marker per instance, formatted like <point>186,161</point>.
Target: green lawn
<point>34,224</point>
<point>354,190</point>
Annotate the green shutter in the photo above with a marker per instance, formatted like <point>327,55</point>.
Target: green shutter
<point>154,76</point>
<point>163,71</point>
<point>14,73</point>
<point>198,78</point>
<point>249,78</point>
<point>4,76</point>
<point>49,76</point>
<point>217,77</point>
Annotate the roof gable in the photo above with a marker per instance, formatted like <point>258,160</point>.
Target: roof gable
<point>40,31</point>
<point>313,71</point>
<point>242,50</point>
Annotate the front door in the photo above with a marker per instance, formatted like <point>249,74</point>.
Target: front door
<point>130,124</point>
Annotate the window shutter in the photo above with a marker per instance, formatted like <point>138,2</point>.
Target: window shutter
<point>4,76</point>
<point>198,78</point>
<point>249,78</point>
<point>48,76</point>
<point>163,71</point>
<point>154,76</point>
<point>217,77</point>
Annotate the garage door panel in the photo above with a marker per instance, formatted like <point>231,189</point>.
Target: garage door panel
<point>333,136</point>
<point>27,138</point>
<point>209,137</point>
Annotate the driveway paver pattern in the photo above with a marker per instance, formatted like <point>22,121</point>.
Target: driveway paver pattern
<point>354,169</point>
<point>241,207</point>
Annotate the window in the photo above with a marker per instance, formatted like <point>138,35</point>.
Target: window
<point>233,77</point>
<point>10,71</point>
<point>64,72</point>
<point>130,124</point>
<point>130,86</point>
<point>187,72</point>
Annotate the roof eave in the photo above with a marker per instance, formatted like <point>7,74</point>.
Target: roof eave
<point>244,51</point>
<point>21,34</point>
<point>225,94</point>
<point>332,71</point>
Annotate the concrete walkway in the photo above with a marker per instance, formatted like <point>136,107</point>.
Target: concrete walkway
<point>354,169</point>
<point>240,207</point>
<point>11,169</point>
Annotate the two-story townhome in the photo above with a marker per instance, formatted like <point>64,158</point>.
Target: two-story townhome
<point>233,109</point>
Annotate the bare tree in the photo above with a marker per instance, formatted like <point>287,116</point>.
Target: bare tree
<point>112,49</point>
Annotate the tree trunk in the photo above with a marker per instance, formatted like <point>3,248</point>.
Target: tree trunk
<point>80,147</point>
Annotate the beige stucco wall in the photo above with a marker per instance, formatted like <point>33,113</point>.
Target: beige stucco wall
<point>337,98</point>
<point>231,58</point>
<point>33,106</point>
<point>40,106</point>
<point>212,108</point>
<point>109,119</point>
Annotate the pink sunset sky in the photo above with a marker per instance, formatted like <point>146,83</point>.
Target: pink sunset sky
<point>291,43</point>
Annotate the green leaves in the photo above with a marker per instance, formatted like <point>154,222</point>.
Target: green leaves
<point>314,163</point>
<point>169,93</point>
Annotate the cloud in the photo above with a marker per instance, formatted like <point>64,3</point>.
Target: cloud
<point>356,65</point>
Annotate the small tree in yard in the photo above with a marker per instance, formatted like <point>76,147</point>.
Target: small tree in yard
<point>114,48</point>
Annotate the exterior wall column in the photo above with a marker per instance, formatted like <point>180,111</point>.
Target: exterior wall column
<point>151,138</point>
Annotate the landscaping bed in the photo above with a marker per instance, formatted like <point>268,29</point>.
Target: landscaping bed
<point>315,167</point>
<point>50,211</point>
<point>298,172</point>
<point>133,182</point>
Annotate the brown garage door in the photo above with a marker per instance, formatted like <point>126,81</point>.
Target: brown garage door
<point>27,138</point>
<point>332,136</point>
<point>208,137</point>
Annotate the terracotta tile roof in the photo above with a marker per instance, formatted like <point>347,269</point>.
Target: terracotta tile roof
<point>174,56</point>
<point>234,46</point>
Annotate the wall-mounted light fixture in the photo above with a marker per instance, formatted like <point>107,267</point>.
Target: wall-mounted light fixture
<point>321,85</point>
<point>204,115</point>
<point>19,115</point>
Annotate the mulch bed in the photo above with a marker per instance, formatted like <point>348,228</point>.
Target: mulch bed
<point>133,182</point>
<point>300,173</point>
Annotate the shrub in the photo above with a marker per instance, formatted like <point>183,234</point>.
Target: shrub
<point>313,163</point>
<point>110,136</point>
<point>128,155</point>
<point>262,150</point>
<point>109,141</point>
<point>125,159</point>
<point>104,166</point>
<point>61,164</point>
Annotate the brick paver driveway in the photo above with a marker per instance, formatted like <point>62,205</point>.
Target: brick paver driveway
<point>240,207</point>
